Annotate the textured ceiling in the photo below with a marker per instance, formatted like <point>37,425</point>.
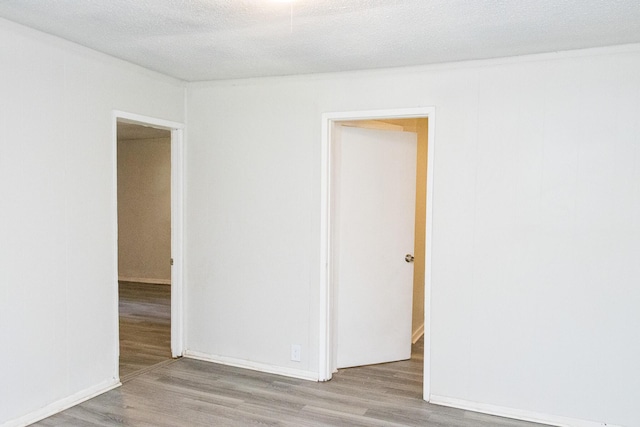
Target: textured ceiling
<point>220,39</point>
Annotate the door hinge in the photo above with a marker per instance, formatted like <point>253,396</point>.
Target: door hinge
<point>171,261</point>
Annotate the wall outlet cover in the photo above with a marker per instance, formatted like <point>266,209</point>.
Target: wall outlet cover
<point>295,352</point>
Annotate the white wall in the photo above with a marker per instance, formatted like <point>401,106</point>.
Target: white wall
<point>536,227</point>
<point>144,210</point>
<point>58,289</point>
<point>536,221</point>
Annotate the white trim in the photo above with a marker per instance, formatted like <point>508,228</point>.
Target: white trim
<point>177,219</point>
<point>518,414</point>
<point>177,242</point>
<point>325,356</point>
<point>431,151</point>
<point>417,334</point>
<point>115,308</point>
<point>139,119</point>
<point>62,404</point>
<point>254,366</point>
<point>325,370</point>
<point>148,280</point>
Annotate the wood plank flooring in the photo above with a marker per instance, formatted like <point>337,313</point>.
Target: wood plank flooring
<point>187,392</point>
<point>145,326</point>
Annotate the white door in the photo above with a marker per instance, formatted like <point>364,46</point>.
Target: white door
<point>373,230</point>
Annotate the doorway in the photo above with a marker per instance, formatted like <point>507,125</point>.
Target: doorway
<point>144,246</point>
<point>392,119</point>
<point>373,239</point>
<point>148,170</point>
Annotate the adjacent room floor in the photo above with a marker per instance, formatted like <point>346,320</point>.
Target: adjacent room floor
<point>160,391</point>
<point>145,326</point>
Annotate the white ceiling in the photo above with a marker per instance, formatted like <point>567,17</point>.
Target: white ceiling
<point>198,40</point>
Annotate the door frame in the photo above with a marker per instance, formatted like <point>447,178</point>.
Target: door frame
<point>177,221</point>
<point>327,341</point>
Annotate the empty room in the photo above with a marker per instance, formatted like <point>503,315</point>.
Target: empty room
<point>368,213</point>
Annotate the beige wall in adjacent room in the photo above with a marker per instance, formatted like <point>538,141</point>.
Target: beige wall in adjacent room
<point>144,209</point>
<point>417,324</point>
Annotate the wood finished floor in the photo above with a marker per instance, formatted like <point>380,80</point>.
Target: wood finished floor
<point>187,392</point>
<point>145,326</point>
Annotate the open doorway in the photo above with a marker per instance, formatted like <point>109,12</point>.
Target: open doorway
<point>144,246</point>
<point>419,122</point>
<point>148,168</point>
<point>376,231</point>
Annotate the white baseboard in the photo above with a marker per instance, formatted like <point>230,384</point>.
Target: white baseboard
<point>519,414</point>
<point>417,334</point>
<point>145,280</point>
<point>254,366</point>
<point>63,404</point>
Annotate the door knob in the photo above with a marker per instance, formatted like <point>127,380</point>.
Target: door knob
<point>408,258</point>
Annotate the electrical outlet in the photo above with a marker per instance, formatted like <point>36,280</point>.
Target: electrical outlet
<point>295,352</point>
